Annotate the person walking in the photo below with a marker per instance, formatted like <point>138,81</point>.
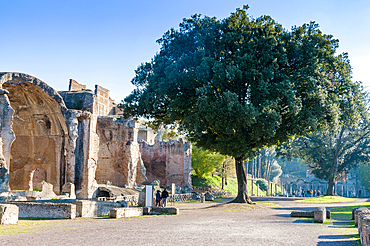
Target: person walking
<point>158,199</point>
<point>164,197</point>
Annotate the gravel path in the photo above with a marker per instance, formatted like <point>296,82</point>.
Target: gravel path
<point>213,223</point>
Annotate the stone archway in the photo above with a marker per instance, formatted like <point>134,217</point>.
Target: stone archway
<point>40,132</point>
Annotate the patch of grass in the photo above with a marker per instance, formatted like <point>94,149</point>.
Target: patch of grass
<point>269,204</point>
<point>346,212</point>
<point>26,226</point>
<point>326,199</point>
<point>341,220</point>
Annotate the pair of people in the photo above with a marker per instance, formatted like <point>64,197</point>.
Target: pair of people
<point>159,197</point>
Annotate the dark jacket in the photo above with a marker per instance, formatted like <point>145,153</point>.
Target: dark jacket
<point>164,194</point>
<point>158,196</point>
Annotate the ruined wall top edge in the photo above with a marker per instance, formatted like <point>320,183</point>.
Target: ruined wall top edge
<point>187,145</point>
<point>131,123</point>
<point>14,77</point>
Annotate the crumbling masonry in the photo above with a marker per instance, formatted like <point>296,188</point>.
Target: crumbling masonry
<point>72,137</point>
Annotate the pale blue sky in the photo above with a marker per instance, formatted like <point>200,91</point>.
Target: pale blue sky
<point>103,42</point>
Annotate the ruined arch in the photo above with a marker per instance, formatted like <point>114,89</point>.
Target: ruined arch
<point>37,177</point>
<point>40,132</point>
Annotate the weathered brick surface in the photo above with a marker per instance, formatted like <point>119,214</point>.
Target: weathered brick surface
<point>46,210</point>
<point>119,158</point>
<point>169,162</point>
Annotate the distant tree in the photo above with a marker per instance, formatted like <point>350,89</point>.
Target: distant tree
<point>226,170</point>
<point>241,84</point>
<point>266,161</point>
<point>206,162</point>
<point>294,167</point>
<point>364,173</point>
<point>330,154</point>
<point>275,170</point>
<point>263,184</point>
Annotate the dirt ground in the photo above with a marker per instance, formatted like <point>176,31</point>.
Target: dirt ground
<point>210,223</point>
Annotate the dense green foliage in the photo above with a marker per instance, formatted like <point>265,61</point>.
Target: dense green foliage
<point>240,84</point>
<point>205,162</point>
<point>346,212</point>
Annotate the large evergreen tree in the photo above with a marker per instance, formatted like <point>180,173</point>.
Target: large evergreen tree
<point>241,84</point>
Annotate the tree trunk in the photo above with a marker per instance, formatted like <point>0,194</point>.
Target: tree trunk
<point>242,196</point>
<point>331,184</point>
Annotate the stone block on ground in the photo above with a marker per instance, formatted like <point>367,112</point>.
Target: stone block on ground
<point>164,210</point>
<point>125,212</point>
<point>47,191</point>
<point>209,197</point>
<point>88,208</point>
<point>319,215</point>
<point>363,222</point>
<point>360,216</point>
<point>367,231</point>
<point>8,214</point>
<point>304,214</point>
<point>353,212</point>
<point>357,211</point>
<point>46,210</point>
<point>146,210</point>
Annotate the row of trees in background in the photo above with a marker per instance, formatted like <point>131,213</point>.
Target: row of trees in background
<point>331,153</point>
<point>264,165</point>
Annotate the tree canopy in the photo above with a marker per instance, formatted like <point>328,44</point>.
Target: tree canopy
<point>240,84</point>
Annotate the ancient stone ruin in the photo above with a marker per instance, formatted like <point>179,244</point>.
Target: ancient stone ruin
<point>73,137</point>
